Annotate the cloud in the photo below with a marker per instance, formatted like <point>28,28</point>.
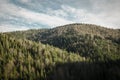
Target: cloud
<point>43,18</point>
<point>58,12</point>
<point>9,28</point>
<point>103,18</point>
<point>85,16</point>
<point>25,1</point>
<point>110,9</point>
<point>39,13</point>
<point>28,16</point>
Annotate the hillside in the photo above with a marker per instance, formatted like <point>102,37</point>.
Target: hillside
<point>23,59</point>
<point>88,52</point>
<point>71,29</point>
<point>84,39</point>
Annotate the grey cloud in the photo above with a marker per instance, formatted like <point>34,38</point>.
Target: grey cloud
<point>110,9</point>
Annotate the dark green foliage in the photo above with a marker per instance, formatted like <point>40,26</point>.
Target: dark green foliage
<point>109,70</point>
<point>91,47</point>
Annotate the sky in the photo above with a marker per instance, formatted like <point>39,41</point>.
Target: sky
<point>36,14</point>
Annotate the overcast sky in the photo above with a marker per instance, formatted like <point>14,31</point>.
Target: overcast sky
<point>30,14</point>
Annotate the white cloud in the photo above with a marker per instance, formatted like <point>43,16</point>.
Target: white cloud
<point>52,21</point>
<point>110,9</point>
<point>64,15</point>
<point>9,28</point>
<point>58,12</point>
<point>25,1</point>
<point>31,16</point>
<point>102,18</point>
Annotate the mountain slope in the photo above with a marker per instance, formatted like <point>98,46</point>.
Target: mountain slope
<point>70,29</point>
<point>24,59</point>
<point>85,39</point>
<point>21,59</point>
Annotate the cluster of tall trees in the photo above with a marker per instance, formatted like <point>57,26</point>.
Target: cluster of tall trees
<point>23,59</point>
<point>94,47</point>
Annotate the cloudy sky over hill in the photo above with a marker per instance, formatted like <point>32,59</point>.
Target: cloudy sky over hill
<point>27,14</point>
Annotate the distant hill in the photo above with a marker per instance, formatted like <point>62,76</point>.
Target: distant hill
<point>71,29</point>
<point>85,39</point>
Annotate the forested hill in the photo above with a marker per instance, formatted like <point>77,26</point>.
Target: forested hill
<point>24,59</point>
<point>71,29</point>
<point>88,52</point>
<point>85,39</point>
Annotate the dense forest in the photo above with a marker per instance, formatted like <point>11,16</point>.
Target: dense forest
<point>84,39</point>
<point>70,52</point>
<point>23,59</point>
